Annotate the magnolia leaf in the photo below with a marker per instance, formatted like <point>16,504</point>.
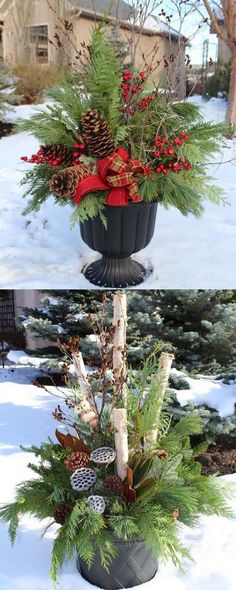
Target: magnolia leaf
<point>142,469</point>
<point>67,441</point>
<point>130,476</point>
<point>145,487</point>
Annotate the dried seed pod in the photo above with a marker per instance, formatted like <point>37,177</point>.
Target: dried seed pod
<point>83,479</point>
<point>97,504</point>
<point>103,455</point>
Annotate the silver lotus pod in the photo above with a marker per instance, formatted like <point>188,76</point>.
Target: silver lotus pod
<point>103,455</point>
<point>82,479</point>
<point>97,504</point>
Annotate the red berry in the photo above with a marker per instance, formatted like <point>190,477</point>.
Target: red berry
<point>24,158</point>
<point>182,133</point>
<point>186,137</point>
<point>158,169</point>
<point>82,147</point>
<point>157,153</point>
<point>132,111</point>
<point>133,88</point>
<point>76,154</point>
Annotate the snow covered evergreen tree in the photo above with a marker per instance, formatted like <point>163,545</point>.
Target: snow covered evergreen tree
<point>199,326</point>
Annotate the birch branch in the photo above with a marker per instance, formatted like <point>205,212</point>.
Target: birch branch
<point>121,441</point>
<point>86,407</point>
<point>164,368</point>
<point>119,346</point>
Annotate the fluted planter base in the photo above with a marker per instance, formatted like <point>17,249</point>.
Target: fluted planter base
<point>115,272</point>
<point>133,565</point>
<point>129,229</point>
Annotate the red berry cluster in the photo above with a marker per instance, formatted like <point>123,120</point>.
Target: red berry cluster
<point>50,160</point>
<point>131,87</point>
<point>165,149</point>
<point>79,151</point>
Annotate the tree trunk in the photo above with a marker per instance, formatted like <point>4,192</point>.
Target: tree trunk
<point>231,110</point>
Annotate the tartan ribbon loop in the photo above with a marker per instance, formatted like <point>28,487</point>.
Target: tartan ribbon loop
<point>115,172</point>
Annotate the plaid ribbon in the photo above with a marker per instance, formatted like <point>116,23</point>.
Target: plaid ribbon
<point>116,172</point>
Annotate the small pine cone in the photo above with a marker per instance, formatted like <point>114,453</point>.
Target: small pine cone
<point>58,150</point>
<point>97,134</point>
<point>60,512</point>
<point>113,483</point>
<point>65,182</point>
<point>76,460</point>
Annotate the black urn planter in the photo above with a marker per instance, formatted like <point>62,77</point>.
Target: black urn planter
<point>134,565</point>
<point>129,229</point>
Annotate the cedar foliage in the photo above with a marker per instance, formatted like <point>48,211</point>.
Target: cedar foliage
<point>98,86</point>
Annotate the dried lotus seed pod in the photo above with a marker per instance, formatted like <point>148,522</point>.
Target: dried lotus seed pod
<point>97,504</point>
<point>103,455</point>
<point>83,479</point>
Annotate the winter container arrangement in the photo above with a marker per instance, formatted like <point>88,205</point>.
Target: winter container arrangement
<point>114,147</point>
<point>119,479</point>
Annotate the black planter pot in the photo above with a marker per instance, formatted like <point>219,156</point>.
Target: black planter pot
<point>129,229</point>
<point>134,565</point>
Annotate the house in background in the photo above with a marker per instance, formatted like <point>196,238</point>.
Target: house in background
<point>12,305</point>
<point>36,18</point>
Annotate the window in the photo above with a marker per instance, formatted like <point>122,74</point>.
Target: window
<point>38,41</point>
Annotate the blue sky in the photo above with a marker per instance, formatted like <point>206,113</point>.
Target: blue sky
<point>190,29</point>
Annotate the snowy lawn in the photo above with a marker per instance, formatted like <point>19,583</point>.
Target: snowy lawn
<point>25,418</point>
<point>40,251</point>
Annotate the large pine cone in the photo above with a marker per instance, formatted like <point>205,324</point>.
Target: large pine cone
<point>76,460</point>
<point>97,134</point>
<point>60,512</point>
<point>65,182</point>
<point>113,483</point>
<point>58,150</point>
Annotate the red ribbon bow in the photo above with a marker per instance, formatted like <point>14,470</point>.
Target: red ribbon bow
<point>116,172</point>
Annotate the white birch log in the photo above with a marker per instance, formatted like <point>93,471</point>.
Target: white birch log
<point>119,343</point>
<point>121,441</point>
<point>85,407</point>
<point>164,368</point>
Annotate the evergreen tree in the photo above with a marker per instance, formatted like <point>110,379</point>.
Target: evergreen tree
<point>197,326</point>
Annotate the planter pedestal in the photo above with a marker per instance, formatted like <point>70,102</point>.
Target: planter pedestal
<point>134,565</point>
<point>129,229</point>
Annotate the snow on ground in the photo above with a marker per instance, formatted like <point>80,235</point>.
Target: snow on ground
<point>40,251</point>
<point>25,418</point>
<point>210,391</point>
